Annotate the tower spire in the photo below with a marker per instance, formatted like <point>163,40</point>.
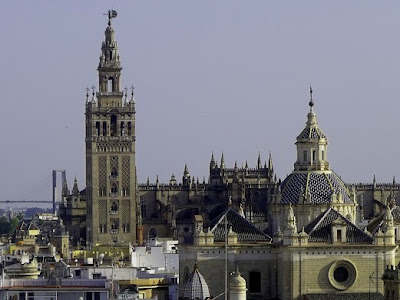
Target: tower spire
<point>311,144</point>
<point>222,161</point>
<point>311,103</point>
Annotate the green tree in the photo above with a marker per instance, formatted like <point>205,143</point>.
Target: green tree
<point>4,225</point>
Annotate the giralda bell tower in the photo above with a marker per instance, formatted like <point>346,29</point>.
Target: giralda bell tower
<point>110,153</point>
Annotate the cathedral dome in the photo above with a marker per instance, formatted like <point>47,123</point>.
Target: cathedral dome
<point>312,181</point>
<point>196,287</point>
<point>314,187</point>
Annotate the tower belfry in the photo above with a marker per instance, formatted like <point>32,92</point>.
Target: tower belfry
<point>110,153</point>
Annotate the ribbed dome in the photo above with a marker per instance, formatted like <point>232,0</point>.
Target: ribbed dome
<point>196,287</point>
<point>313,187</point>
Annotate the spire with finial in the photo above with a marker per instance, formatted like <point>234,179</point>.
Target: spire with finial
<point>212,161</point>
<point>222,161</point>
<point>93,92</point>
<point>75,190</point>
<point>311,103</point>
<point>186,176</point>
<point>312,144</point>
<point>126,95</point>
<point>259,163</point>
<point>65,190</point>
<point>270,164</point>
<point>87,95</point>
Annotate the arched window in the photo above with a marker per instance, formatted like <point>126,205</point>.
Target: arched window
<point>152,233</point>
<point>114,173</point>
<point>110,84</point>
<point>114,226</point>
<point>305,156</point>
<point>114,207</point>
<point>111,55</point>
<point>255,282</point>
<point>113,125</point>
<point>114,188</point>
<point>322,155</point>
<point>314,156</point>
<point>129,128</point>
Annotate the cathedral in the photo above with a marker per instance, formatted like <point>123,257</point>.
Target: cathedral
<point>308,235</point>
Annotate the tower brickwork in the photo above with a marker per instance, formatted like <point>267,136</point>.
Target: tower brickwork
<point>110,153</point>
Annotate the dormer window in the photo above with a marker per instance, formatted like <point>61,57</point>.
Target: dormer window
<point>338,231</point>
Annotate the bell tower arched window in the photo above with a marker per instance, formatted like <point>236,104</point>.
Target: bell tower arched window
<point>110,84</point>
<point>113,125</point>
<point>114,208</point>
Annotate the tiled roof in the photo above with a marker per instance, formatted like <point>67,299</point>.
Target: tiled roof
<point>345,296</point>
<point>311,132</point>
<point>396,213</point>
<point>320,186</point>
<point>246,231</point>
<point>196,287</point>
<point>319,230</point>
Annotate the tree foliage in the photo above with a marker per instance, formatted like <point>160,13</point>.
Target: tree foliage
<point>8,226</point>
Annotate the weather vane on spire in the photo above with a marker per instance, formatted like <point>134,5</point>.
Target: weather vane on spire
<point>111,14</point>
<point>311,103</point>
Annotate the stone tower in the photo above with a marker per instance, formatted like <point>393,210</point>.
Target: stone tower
<point>110,153</point>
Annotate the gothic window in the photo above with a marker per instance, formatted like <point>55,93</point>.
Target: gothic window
<point>255,282</point>
<point>129,128</point>
<point>314,156</point>
<point>305,156</point>
<point>322,155</point>
<point>111,55</point>
<point>113,125</point>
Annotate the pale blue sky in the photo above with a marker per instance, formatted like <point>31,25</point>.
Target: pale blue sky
<point>228,76</point>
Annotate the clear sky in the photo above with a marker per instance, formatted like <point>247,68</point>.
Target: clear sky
<point>225,75</point>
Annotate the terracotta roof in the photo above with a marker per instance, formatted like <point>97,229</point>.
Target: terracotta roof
<point>246,231</point>
<point>319,230</point>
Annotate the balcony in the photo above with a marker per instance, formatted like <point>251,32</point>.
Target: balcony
<point>120,94</point>
<point>113,231</point>
<point>113,195</point>
<point>113,212</point>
